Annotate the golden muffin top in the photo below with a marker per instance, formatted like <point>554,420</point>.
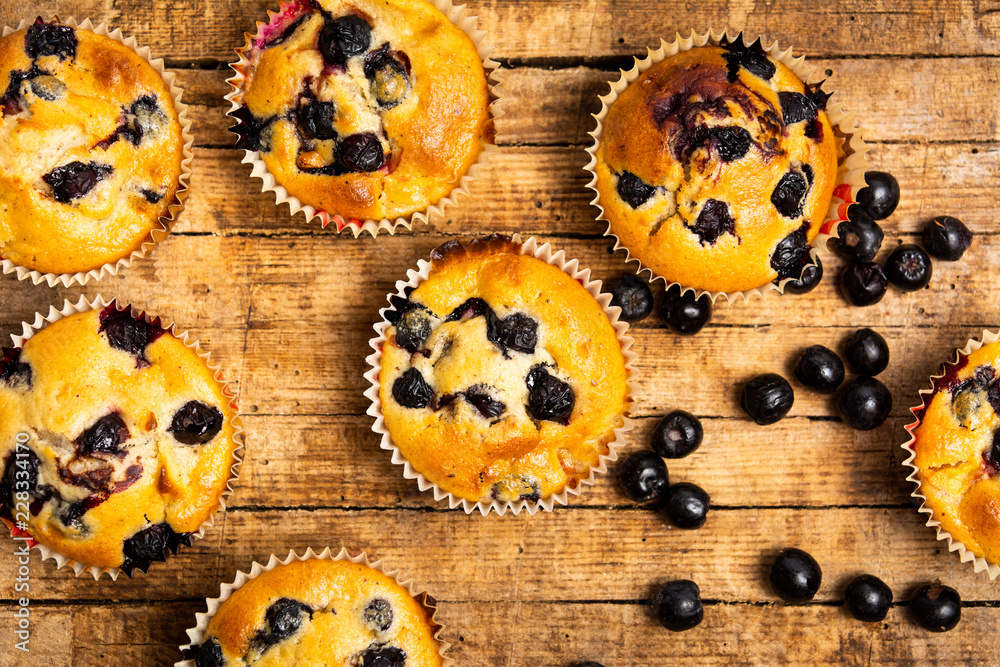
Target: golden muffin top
<point>90,149</point>
<point>501,376</point>
<point>320,612</point>
<point>957,450</point>
<point>367,109</point>
<point>716,168</point>
<point>116,439</point>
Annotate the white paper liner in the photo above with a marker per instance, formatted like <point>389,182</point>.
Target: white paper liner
<point>165,222</point>
<point>979,564</point>
<point>457,14</point>
<point>197,633</point>
<point>850,174</point>
<point>571,267</point>
<point>99,303</point>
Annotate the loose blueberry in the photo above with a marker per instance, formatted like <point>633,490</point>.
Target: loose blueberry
<point>632,294</point>
<point>732,142</point>
<point>908,268</point>
<point>685,505</point>
<point>388,76</point>
<point>284,618</point>
<point>517,331</point>
<point>103,437</point>
<point>127,333</point>
<point>484,403</point>
<point>150,545</point>
<point>789,195</point>
<point>859,237</point>
<point>795,576</point>
<point>792,253</point>
<point>378,614</point>
<point>361,153</point>
<point>807,281</point>
<point>865,403</point>
<point>946,238</point>
<point>413,327</point>
<point>767,398</point>
<point>344,37</point>
<point>751,58</point>
<point>316,120</point>
<point>643,477</point>
<point>677,435</point>
<point>868,598</point>
<point>881,196</point>
<point>411,390</point>
<point>14,372</point>
<point>864,284</point>
<point>50,39</point>
<point>820,369</point>
<point>633,190</point>
<point>74,180</point>
<point>378,656</point>
<point>936,607</point>
<point>713,221</point>
<point>549,398</point>
<point>678,605</point>
<point>210,655</point>
<point>683,313</point>
<point>867,352</point>
<point>196,423</point>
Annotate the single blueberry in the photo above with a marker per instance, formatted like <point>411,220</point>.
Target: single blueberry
<point>196,423</point>
<point>480,399</point>
<point>867,598</point>
<point>344,37</point>
<point>254,133</point>
<point>881,196</point>
<point>796,107</point>
<point>732,142</point>
<point>549,398</point>
<point>14,372</point>
<point>791,253</point>
<point>807,281</point>
<point>678,605</point>
<point>103,437</point>
<point>378,614</point>
<point>151,545</point>
<point>387,72</point>
<point>936,607</point>
<point>74,180</point>
<point>820,369</point>
<point>383,656</point>
<point>795,576</point>
<point>316,120</point>
<point>677,435</point>
<point>633,190</point>
<point>284,618</point>
<point>210,654</point>
<point>908,268</point>
<point>632,294</point>
<point>643,477</point>
<point>411,390</point>
<point>865,403</point>
<point>713,221</point>
<point>361,153</point>
<point>685,505</point>
<point>859,237</point>
<point>789,195</point>
<point>684,313</point>
<point>413,327</point>
<point>517,331</point>
<point>767,398</point>
<point>946,238</point>
<point>864,284</point>
<point>127,333</point>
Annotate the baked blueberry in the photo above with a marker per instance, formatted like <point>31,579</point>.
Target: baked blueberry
<point>881,196</point>
<point>50,39</point>
<point>517,331</point>
<point>254,134</point>
<point>685,505</point>
<point>863,284</point>
<point>767,398</point>
<point>633,190</point>
<point>383,656</point>
<point>790,194</point>
<point>316,120</point>
<point>483,402</point>
<point>127,333</point>
<point>677,435</point>
<point>868,598</point>
<point>807,281</point>
<point>378,614</point>
<point>474,307</point>
<point>865,403</point>
<point>632,294</point>
<point>74,180</point>
<point>361,153</point>
<point>150,545</point>
<point>210,655</point>
<point>13,371</point>
<point>820,369</point>
<point>588,663</point>
<point>549,398</point>
<point>20,473</point>
<point>103,436</point>
<point>713,221</point>
<point>344,37</point>
<point>731,141</point>
<point>791,254</point>
<point>283,618</point>
<point>411,390</point>
<point>678,605</point>
<point>946,238</point>
<point>867,352</point>
<point>859,237</point>
<point>196,423</point>
<point>751,58</point>
<point>795,576</point>
<point>413,326</point>
<point>797,107</point>
<point>643,476</point>
<point>683,313</point>
<point>936,607</point>
<point>908,268</point>
<point>388,76</point>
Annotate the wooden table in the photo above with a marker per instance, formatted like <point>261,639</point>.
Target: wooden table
<point>286,309</point>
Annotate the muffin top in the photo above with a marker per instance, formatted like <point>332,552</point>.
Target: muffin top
<point>117,434</point>
<point>91,149</point>
<point>501,376</point>
<point>957,450</point>
<point>716,168</point>
<point>320,612</point>
<point>367,109</point>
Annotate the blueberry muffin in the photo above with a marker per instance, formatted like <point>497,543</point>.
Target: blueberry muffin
<point>91,151</point>
<point>320,612</point>
<point>501,376</point>
<point>716,168</point>
<point>117,442</point>
<point>367,109</point>
<point>957,451</point>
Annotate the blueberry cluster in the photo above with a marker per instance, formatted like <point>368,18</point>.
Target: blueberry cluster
<point>683,313</point>
<point>908,267</point>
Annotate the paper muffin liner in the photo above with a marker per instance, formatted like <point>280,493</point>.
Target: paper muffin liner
<point>457,14</point>
<point>852,147</point>
<point>572,268</point>
<point>165,222</point>
<point>979,564</point>
<point>196,635</point>
<point>99,303</point>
